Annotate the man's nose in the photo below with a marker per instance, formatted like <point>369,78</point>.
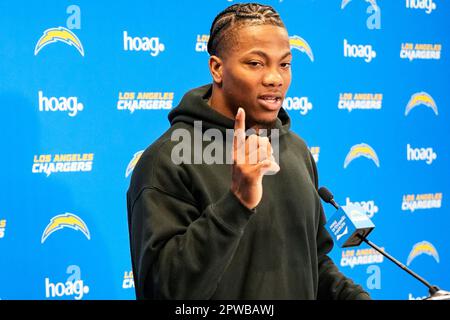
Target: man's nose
<point>273,78</point>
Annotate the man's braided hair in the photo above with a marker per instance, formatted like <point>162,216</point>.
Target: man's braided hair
<point>242,14</point>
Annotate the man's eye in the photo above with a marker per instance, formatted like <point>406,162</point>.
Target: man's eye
<point>254,63</point>
<point>286,65</point>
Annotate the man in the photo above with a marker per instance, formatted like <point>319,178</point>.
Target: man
<point>245,230</point>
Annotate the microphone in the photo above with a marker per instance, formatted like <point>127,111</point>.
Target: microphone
<point>327,196</point>
<point>350,229</point>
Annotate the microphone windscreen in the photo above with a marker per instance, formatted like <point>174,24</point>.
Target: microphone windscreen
<point>325,194</point>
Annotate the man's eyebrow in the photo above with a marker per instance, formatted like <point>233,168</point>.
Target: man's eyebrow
<point>264,55</point>
<point>287,54</point>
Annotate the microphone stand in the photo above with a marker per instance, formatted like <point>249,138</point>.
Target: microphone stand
<point>435,292</point>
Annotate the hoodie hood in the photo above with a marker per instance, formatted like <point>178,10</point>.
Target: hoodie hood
<point>194,107</point>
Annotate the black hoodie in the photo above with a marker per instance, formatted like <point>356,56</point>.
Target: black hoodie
<point>191,238</point>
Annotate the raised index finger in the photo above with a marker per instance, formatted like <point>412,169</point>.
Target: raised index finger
<point>239,121</point>
<point>239,133</point>
<point>239,126</point>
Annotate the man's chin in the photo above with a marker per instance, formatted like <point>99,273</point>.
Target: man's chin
<point>261,119</point>
<point>263,123</point>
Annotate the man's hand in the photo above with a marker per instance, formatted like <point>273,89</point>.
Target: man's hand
<point>252,158</point>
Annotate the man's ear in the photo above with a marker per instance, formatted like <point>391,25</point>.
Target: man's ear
<point>216,69</point>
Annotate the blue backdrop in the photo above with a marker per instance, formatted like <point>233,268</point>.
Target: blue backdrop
<point>86,85</point>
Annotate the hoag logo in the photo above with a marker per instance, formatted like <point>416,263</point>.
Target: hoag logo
<point>359,51</point>
<point>427,5</point>
<point>63,104</point>
<point>297,103</point>
<point>152,45</point>
<point>369,207</point>
<point>420,154</point>
<point>74,286</point>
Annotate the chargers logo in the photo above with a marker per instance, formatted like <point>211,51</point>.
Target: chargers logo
<point>420,248</point>
<point>421,98</point>
<point>128,281</point>
<point>133,163</point>
<point>300,44</point>
<point>423,201</point>
<point>339,236</point>
<point>351,258</point>
<point>373,3</point>
<point>133,101</point>
<point>421,51</point>
<point>59,163</point>
<point>59,34</point>
<point>202,43</point>
<point>68,220</point>
<point>2,228</point>
<point>361,101</point>
<point>315,151</point>
<point>361,150</point>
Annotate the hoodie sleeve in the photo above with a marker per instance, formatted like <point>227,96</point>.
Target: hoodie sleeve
<point>178,252</point>
<point>333,285</point>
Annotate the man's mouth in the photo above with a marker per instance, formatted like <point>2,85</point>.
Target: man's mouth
<point>272,102</point>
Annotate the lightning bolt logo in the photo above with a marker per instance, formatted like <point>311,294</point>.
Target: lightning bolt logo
<point>373,3</point>
<point>300,44</point>
<point>361,150</point>
<point>339,236</point>
<point>420,248</point>
<point>65,220</point>
<point>421,98</point>
<point>133,163</point>
<point>59,34</point>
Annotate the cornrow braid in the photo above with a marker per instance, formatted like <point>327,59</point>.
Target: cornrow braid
<point>240,14</point>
